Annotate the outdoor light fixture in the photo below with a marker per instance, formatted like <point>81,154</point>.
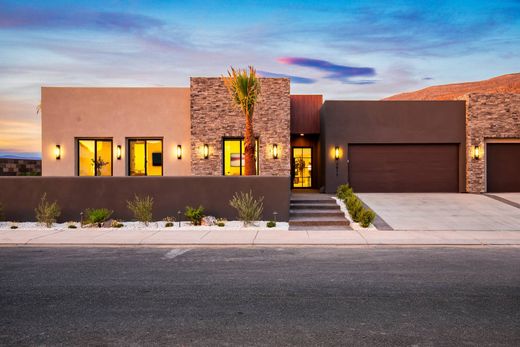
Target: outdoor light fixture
<point>302,134</point>
<point>206,151</point>
<point>275,151</point>
<point>118,152</point>
<point>57,152</point>
<point>336,153</point>
<point>179,151</point>
<point>477,153</point>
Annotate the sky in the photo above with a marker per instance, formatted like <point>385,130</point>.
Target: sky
<point>341,49</point>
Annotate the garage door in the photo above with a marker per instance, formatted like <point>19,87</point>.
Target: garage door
<point>404,168</point>
<point>503,167</point>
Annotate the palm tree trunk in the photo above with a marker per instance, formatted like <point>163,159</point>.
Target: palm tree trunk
<point>249,148</point>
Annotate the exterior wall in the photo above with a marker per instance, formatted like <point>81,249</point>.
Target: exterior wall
<point>117,113</point>
<point>20,167</point>
<point>20,195</point>
<point>489,117</point>
<point>213,116</point>
<point>387,122</point>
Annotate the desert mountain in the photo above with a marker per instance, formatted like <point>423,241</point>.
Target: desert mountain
<point>502,84</point>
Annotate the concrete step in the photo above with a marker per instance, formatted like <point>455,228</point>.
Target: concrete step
<point>318,221</point>
<point>314,206</point>
<point>316,213</point>
<point>313,201</point>
<point>320,228</point>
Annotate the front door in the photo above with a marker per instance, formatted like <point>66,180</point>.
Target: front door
<point>302,167</point>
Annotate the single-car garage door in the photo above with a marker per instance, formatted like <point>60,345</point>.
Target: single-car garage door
<point>503,167</point>
<point>404,167</point>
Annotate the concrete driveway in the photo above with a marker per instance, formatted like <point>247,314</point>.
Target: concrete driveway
<point>445,211</point>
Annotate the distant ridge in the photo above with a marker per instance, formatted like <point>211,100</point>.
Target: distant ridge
<point>20,156</point>
<point>502,84</point>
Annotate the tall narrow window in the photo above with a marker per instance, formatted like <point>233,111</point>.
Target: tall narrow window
<point>145,157</point>
<point>94,157</point>
<point>234,157</point>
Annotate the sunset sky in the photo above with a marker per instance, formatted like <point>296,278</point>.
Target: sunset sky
<point>343,49</point>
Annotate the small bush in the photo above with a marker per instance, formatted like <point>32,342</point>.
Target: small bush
<point>194,215</point>
<point>71,226</point>
<point>271,224</point>
<point>2,215</point>
<point>97,215</point>
<point>344,192</point>
<point>46,212</point>
<point>14,226</point>
<point>116,224</point>
<point>221,222</point>
<point>249,210</point>
<point>354,207</point>
<point>169,219</point>
<point>141,208</point>
<point>366,218</point>
<point>168,224</point>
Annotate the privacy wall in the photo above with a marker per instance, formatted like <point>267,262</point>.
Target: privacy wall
<point>20,195</point>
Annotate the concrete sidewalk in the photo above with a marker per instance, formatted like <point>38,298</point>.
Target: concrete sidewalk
<point>261,237</point>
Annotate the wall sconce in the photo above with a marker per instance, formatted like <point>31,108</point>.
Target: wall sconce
<point>275,151</point>
<point>118,152</point>
<point>336,153</point>
<point>205,151</point>
<point>179,151</point>
<point>57,152</point>
<point>476,152</point>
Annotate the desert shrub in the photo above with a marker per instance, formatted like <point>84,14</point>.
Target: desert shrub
<point>271,224</point>
<point>249,210</point>
<point>344,191</point>
<point>97,215</point>
<point>71,225</point>
<point>2,214</point>
<point>168,224</point>
<point>46,212</point>
<point>354,207</point>
<point>194,215</point>
<point>367,217</point>
<point>141,208</point>
<point>169,221</point>
<point>116,224</point>
<point>14,226</point>
<point>221,222</point>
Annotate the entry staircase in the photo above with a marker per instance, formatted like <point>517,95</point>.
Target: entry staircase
<point>311,211</point>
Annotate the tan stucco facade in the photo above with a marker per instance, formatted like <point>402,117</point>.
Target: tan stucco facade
<point>117,114</point>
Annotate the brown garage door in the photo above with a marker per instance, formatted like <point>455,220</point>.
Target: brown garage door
<point>404,168</point>
<point>503,167</point>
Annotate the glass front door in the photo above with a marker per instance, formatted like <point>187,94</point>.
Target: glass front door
<point>302,167</point>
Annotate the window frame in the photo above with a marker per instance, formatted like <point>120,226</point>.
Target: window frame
<point>145,139</point>
<point>95,139</point>
<point>241,138</point>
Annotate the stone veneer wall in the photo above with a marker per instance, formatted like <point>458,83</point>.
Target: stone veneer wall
<point>20,167</point>
<point>488,116</point>
<point>213,117</point>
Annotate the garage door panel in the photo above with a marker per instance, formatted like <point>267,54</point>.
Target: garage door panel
<point>503,167</point>
<point>404,168</point>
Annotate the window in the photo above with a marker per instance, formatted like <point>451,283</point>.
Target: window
<point>234,157</point>
<point>94,157</point>
<point>145,157</point>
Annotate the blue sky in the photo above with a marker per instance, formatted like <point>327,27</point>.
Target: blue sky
<point>341,49</point>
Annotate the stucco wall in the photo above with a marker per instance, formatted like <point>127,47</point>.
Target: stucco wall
<point>489,117</point>
<point>117,113</point>
<point>213,117</point>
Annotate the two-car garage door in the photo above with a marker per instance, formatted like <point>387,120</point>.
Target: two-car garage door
<point>404,167</point>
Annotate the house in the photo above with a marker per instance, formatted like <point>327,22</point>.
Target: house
<point>467,145</point>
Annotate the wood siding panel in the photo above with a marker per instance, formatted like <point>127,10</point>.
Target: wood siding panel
<point>404,168</point>
<point>305,114</point>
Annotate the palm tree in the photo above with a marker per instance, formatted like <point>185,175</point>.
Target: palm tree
<point>244,89</point>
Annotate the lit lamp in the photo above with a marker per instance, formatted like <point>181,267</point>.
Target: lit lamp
<point>206,151</point>
<point>477,153</point>
<point>179,151</point>
<point>336,153</point>
<point>275,151</point>
<point>57,152</point>
<point>118,152</point>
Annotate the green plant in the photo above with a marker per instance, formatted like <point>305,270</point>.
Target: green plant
<point>195,215</point>
<point>168,224</point>
<point>14,226</point>
<point>249,210</point>
<point>72,226</point>
<point>366,218</point>
<point>244,89</point>
<point>221,222</point>
<point>116,224</point>
<point>141,208</point>
<point>46,212</point>
<point>97,215</point>
<point>354,207</point>
<point>271,224</point>
<point>344,191</point>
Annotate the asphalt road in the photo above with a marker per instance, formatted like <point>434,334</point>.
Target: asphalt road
<point>400,296</point>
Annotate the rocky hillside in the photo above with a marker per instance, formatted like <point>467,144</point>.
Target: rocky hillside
<point>502,84</point>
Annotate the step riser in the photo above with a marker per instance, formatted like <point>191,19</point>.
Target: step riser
<point>316,214</point>
<point>318,223</point>
<point>314,207</point>
<point>330,202</point>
